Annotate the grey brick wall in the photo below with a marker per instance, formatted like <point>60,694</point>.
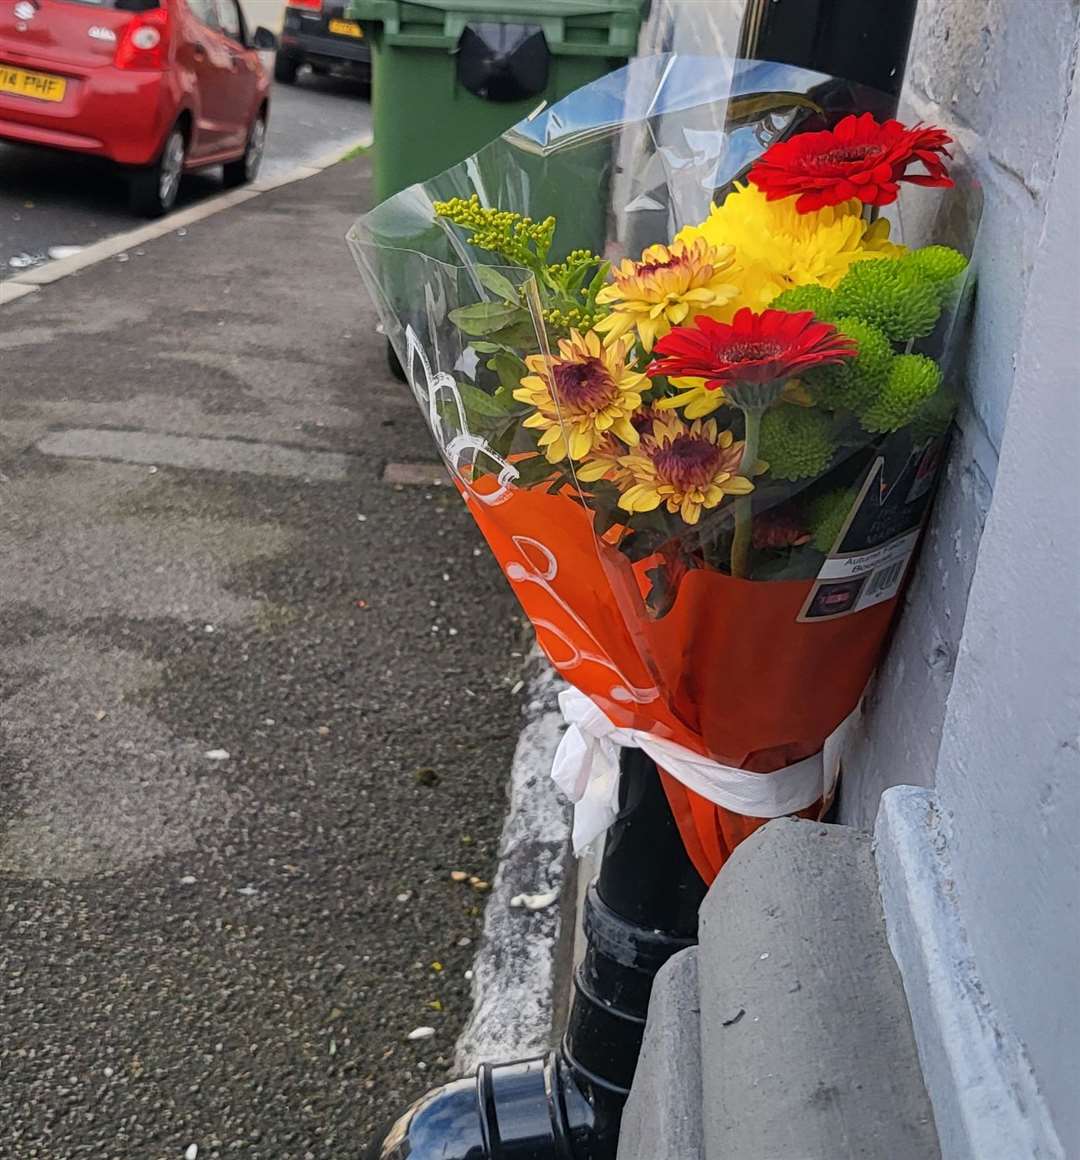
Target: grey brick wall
<point>998,73</point>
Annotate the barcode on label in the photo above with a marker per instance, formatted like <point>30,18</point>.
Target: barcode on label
<point>885,579</point>
<point>850,582</point>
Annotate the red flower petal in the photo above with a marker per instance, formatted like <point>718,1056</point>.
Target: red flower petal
<point>762,348</point>
<point>858,158</point>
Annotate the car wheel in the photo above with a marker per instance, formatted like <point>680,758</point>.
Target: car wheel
<point>245,169</point>
<point>285,68</point>
<point>154,189</point>
<point>319,70</point>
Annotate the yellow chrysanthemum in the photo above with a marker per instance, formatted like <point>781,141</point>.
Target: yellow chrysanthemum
<point>686,468</point>
<point>581,396</point>
<point>605,460</point>
<point>693,395</point>
<point>697,401</point>
<point>777,248</point>
<point>669,286</point>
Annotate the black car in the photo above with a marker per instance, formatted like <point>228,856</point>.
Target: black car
<point>318,34</point>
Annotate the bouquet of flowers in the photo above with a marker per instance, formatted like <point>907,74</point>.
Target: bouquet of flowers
<point>695,389</point>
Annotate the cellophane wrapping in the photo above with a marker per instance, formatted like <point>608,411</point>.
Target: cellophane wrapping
<point>698,413</point>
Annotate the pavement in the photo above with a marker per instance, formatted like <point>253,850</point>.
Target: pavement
<point>256,704</point>
<point>50,199</point>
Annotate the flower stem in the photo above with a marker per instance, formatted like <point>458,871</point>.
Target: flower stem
<point>744,510</point>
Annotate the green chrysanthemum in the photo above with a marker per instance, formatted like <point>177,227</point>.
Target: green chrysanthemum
<point>933,417</point>
<point>852,385</point>
<point>913,378</point>
<point>819,299</point>
<point>796,442</point>
<point>893,298</point>
<point>827,515</point>
<point>939,264</point>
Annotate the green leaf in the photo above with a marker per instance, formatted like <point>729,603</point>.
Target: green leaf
<point>521,337</point>
<point>580,275</point>
<point>605,518</point>
<point>502,440</point>
<point>485,347</point>
<point>604,499</point>
<point>597,284</point>
<point>642,544</point>
<point>479,403</point>
<point>486,317</point>
<point>497,283</point>
<point>510,369</point>
<point>535,470</point>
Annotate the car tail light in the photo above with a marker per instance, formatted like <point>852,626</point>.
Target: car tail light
<point>145,41</point>
<point>310,5</point>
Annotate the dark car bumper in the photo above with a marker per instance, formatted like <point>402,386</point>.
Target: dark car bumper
<point>307,35</point>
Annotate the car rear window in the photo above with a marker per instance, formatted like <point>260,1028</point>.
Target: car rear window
<point>120,5</point>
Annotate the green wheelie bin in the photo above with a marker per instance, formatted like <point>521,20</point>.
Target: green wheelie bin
<point>452,75</point>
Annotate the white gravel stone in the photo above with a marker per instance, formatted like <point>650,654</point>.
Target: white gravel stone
<point>535,901</point>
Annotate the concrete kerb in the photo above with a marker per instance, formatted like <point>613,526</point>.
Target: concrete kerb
<point>524,949</point>
<point>25,283</point>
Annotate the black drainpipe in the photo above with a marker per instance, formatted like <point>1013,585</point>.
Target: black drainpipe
<point>865,41</point>
<point>642,908</point>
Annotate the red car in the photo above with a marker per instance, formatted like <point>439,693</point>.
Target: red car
<point>161,87</point>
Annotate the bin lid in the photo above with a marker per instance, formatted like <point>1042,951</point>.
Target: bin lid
<point>571,27</point>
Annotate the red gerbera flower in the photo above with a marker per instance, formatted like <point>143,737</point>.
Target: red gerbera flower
<point>861,158</point>
<point>753,348</point>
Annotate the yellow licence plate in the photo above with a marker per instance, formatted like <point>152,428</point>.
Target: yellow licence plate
<point>347,28</point>
<point>40,86</point>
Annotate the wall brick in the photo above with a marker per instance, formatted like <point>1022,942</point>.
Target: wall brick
<point>998,74</point>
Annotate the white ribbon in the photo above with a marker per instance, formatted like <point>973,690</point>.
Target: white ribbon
<point>586,769</point>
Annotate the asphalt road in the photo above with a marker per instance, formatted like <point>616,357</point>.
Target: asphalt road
<point>56,199</point>
<point>256,705</point>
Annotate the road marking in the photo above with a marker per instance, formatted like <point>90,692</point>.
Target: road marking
<point>199,454</point>
<point>21,284</point>
<point>265,184</point>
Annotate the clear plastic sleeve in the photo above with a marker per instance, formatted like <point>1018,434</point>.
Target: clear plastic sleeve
<point>686,341</point>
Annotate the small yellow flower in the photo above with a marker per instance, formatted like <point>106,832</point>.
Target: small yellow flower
<point>603,461</point>
<point>776,247</point>
<point>669,286</point>
<point>581,396</point>
<point>685,467</point>
<point>693,396</point>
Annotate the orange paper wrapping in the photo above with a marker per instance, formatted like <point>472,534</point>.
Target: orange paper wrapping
<point>729,672</point>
